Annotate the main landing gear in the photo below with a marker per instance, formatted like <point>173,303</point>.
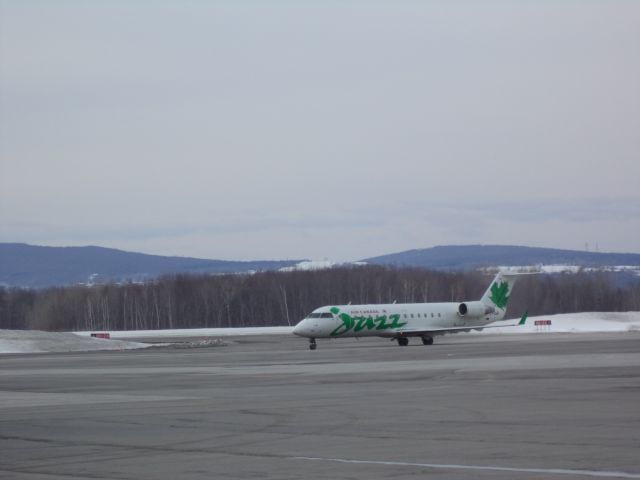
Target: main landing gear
<point>312,344</point>
<point>404,341</point>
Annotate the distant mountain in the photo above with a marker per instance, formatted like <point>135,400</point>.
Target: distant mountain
<point>23,265</point>
<point>467,257</point>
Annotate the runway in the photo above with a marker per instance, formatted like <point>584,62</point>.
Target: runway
<point>534,406</point>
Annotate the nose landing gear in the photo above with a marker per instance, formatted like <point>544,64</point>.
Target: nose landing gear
<point>312,344</point>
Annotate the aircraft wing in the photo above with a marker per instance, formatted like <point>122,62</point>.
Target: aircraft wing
<point>467,328</point>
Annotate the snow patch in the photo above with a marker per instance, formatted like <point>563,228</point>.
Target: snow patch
<point>36,341</point>
<point>534,269</point>
<point>576,323</point>
<point>196,332</point>
<point>33,341</point>
<point>634,269</point>
<point>318,265</point>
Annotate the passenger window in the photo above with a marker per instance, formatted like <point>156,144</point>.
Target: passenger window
<point>432,315</point>
<point>405,315</point>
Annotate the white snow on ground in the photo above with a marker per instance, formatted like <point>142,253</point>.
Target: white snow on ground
<point>562,269</point>
<point>576,323</point>
<point>31,341</point>
<point>317,265</point>
<point>196,332</point>
<point>534,269</point>
<point>36,341</point>
<point>309,265</point>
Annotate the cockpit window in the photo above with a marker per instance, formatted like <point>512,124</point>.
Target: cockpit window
<point>320,315</point>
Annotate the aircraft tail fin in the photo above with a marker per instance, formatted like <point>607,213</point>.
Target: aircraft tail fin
<point>498,293</point>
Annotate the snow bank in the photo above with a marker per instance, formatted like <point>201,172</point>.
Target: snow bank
<point>196,332</point>
<point>577,323</point>
<point>35,341</point>
<point>30,341</point>
<point>573,322</point>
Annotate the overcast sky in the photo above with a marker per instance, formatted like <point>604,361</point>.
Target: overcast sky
<point>319,129</point>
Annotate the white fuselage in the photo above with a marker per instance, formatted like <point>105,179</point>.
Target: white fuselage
<point>388,320</point>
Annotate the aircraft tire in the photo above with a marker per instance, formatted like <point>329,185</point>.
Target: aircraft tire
<point>403,341</point>
<point>312,346</point>
<point>427,340</point>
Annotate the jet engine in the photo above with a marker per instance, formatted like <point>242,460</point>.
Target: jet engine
<point>474,309</point>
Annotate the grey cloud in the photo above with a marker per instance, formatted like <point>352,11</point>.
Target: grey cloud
<point>388,125</point>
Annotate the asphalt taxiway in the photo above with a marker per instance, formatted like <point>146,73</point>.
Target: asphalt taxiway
<point>535,406</point>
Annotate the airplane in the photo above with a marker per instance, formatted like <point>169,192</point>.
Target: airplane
<point>400,321</point>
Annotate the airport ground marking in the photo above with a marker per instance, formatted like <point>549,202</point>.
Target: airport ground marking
<point>549,471</point>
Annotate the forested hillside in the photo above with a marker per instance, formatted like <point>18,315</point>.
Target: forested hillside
<point>283,298</point>
<point>469,257</point>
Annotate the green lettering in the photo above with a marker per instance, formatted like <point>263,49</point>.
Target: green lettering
<point>347,323</point>
<point>382,322</point>
<point>360,323</point>
<point>363,322</point>
<point>396,321</point>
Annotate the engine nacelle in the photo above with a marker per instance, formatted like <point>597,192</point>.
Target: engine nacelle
<point>474,309</point>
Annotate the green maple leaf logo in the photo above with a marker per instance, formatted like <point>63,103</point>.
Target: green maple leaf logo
<point>500,294</point>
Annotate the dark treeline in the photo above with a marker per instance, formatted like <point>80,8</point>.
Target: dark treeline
<point>283,298</point>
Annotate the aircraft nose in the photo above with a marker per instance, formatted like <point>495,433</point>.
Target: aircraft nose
<point>301,329</point>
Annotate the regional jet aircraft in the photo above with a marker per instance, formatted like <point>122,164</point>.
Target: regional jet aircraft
<point>403,320</point>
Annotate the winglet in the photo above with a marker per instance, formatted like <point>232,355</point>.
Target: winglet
<point>522,321</point>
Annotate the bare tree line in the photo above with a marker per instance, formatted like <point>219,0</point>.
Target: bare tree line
<point>283,298</point>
